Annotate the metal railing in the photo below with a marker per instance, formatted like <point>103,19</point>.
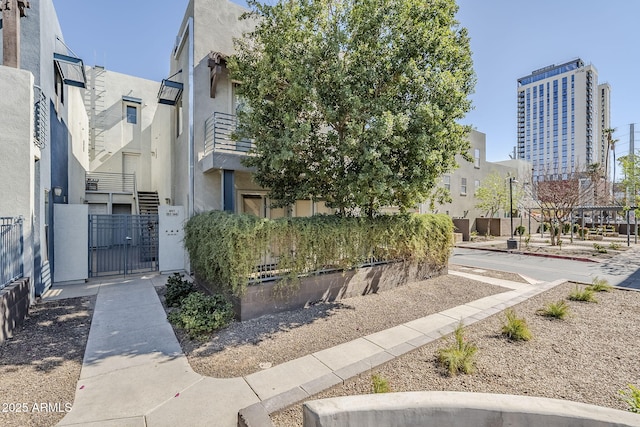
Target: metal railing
<point>39,117</point>
<point>11,250</point>
<point>219,128</point>
<point>107,182</point>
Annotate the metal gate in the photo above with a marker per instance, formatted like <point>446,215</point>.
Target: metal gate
<point>122,244</point>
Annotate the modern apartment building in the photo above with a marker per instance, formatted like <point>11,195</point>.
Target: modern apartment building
<point>562,115</point>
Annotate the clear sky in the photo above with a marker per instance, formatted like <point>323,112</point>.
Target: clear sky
<point>509,39</point>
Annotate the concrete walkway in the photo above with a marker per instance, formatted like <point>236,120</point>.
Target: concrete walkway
<point>135,374</point>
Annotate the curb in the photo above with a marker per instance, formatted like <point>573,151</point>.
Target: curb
<point>511,251</point>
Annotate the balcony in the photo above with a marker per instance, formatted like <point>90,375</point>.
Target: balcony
<point>220,150</point>
<point>107,182</point>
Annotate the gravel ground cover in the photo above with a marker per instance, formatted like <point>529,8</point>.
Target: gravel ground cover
<point>587,358</point>
<point>249,346</point>
<point>40,365</point>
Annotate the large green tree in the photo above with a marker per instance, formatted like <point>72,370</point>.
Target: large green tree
<point>354,102</point>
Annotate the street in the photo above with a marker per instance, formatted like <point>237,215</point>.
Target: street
<point>623,270</point>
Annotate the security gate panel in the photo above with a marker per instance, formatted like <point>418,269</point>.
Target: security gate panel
<point>122,244</point>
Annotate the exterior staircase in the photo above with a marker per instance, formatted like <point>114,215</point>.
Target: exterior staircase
<point>148,202</point>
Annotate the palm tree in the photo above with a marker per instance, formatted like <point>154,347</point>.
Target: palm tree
<point>612,146</point>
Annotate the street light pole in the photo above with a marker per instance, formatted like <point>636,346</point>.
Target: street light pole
<point>511,243</point>
<point>511,203</point>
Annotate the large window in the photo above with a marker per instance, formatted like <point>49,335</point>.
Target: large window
<point>447,182</point>
<point>463,186</point>
<point>476,158</point>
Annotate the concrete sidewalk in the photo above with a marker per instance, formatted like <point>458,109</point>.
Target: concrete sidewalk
<point>135,374</point>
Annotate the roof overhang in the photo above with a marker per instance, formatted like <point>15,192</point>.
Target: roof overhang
<point>71,69</point>
<point>170,92</point>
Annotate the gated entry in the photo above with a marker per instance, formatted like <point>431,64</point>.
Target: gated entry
<point>122,244</point>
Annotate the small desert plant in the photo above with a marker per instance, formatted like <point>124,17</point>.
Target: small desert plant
<point>600,285</point>
<point>527,240</point>
<point>632,398</point>
<point>601,249</point>
<point>460,356</point>
<point>379,384</point>
<point>585,295</point>
<point>515,328</point>
<point>177,289</point>
<point>614,246</point>
<point>473,236</point>
<point>520,230</point>
<point>560,243</point>
<point>557,310</point>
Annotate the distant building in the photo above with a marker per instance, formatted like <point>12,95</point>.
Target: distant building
<point>562,116</point>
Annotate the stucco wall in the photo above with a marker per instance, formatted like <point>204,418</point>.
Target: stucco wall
<point>18,154</point>
<point>450,409</point>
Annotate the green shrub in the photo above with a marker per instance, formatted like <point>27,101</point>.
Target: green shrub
<point>460,356</point>
<point>557,310</point>
<point>632,398</point>
<point>614,246</point>
<point>177,289</point>
<point>515,328</point>
<point>600,285</point>
<point>225,248</point>
<point>585,295</point>
<point>520,230</point>
<point>379,384</point>
<point>201,314</point>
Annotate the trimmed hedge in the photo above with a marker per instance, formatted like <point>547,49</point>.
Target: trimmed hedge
<point>225,248</point>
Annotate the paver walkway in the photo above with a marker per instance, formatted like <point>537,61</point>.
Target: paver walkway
<point>135,374</point>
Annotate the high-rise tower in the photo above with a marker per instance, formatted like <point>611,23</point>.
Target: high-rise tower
<point>561,114</point>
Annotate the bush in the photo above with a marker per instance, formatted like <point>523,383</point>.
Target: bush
<point>515,328</point>
<point>557,310</point>
<point>459,357</point>
<point>600,285</point>
<point>225,248</point>
<point>201,314</point>
<point>632,398</point>
<point>380,384</point>
<point>585,295</point>
<point>520,230</point>
<point>177,289</point>
<point>614,246</point>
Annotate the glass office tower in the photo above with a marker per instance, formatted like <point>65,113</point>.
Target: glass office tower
<point>562,114</point>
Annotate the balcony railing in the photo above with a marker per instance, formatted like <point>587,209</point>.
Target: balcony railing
<point>11,250</point>
<point>39,117</point>
<point>217,135</point>
<point>107,182</point>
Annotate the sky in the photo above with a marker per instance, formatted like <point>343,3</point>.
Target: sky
<point>509,39</point>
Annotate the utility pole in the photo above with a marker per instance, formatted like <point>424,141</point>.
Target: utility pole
<point>12,11</point>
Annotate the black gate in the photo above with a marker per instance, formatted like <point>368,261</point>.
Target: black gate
<point>122,244</point>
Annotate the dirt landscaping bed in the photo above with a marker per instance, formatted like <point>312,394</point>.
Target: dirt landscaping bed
<point>587,358</point>
<point>40,365</point>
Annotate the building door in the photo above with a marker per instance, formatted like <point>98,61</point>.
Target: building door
<point>122,244</point>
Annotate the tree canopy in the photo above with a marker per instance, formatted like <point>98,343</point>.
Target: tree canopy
<point>354,102</point>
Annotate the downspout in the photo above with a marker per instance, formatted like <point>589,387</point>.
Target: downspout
<point>188,31</point>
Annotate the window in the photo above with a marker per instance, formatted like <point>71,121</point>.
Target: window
<point>59,89</point>
<point>132,114</point>
<point>463,186</point>
<point>447,182</point>
<point>179,117</point>
<point>476,186</point>
<point>476,158</point>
